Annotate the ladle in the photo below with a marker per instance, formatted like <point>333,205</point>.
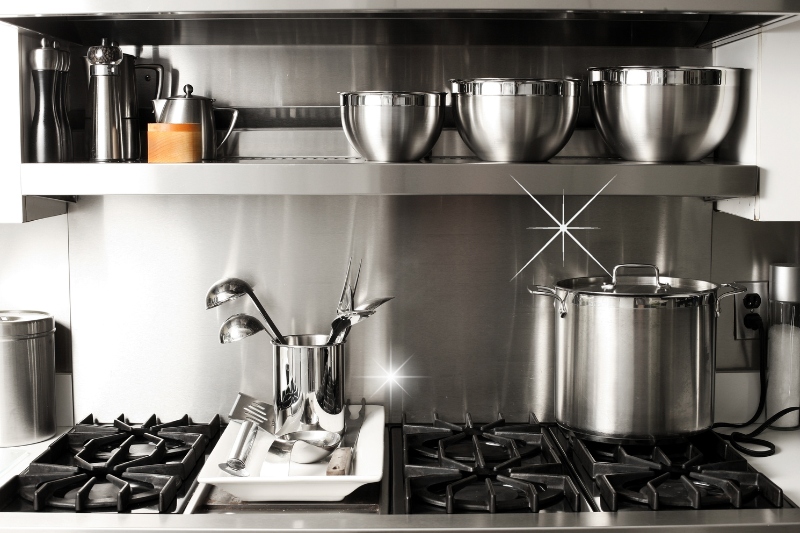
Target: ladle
<point>240,326</point>
<point>232,288</point>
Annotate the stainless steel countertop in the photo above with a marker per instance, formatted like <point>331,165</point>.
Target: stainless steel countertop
<point>777,520</point>
<point>781,468</point>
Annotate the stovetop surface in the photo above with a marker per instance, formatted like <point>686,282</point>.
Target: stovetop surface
<point>698,472</point>
<point>115,467</point>
<point>471,467</point>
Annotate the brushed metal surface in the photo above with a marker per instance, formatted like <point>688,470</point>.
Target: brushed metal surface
<point>353,176</point>
<point>743,250</point>
<point>458,336</point>
<point>522,23</point>
<point>354,68</point>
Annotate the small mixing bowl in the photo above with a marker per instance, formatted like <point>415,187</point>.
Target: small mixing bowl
<point>664,113</point>
<point>515,119</point>
<point>390,125</point>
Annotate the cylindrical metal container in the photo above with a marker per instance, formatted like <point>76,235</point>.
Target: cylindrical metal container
<point>635,355</point>
<point>27,377</point>
<point>784,342</point>
<point>392,125</point>
<point>664,113</point>
<point>308,384</point>
<point>515,119</point>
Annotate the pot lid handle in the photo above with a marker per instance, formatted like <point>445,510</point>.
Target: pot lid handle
<point>613,284</point>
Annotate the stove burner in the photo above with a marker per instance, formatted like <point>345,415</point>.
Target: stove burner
<point>480,467</point>
<point>700,472</point>
<point>118,465</point>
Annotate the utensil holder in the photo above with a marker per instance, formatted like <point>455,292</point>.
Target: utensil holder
<point>308,384</point>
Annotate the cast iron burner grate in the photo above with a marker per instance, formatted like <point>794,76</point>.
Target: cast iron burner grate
<point>699,473</point>
<point>117,465</point>
<point>496,467</point>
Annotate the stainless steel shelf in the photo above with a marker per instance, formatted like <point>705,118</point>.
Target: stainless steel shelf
<point>353,176</point>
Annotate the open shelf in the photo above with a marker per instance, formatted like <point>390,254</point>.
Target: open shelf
<point>354,176</point>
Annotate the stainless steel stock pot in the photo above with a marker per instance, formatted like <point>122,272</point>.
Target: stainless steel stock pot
<point>635,355</point>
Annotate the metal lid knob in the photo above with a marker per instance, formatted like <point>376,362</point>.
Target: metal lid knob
<point>108,53</point>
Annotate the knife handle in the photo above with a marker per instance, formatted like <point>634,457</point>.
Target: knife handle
<point>340,463</point>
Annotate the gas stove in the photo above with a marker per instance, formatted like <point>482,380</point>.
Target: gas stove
<point>115,466</point>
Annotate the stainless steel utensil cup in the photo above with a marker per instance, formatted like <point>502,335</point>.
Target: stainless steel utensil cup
<point>27,377</point>
<point>308,384</point>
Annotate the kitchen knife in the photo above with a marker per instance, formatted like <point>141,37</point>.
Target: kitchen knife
<point>341,462</point>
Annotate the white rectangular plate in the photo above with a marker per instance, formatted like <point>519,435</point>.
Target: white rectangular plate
<point>304,482</point>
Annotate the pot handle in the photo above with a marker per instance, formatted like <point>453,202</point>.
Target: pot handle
<point>610,286</point>
<point>735,289</point>
<point>541,290</point>
<point>233,123</point>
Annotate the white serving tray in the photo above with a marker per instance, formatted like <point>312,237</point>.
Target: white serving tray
<point>305,482</point>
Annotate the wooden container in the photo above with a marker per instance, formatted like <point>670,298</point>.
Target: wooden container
<point>173,143</point>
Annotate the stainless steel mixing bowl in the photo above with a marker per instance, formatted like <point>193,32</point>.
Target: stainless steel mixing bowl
<point>664,113</point>
<point>507,119</point>
<point>392,126</point>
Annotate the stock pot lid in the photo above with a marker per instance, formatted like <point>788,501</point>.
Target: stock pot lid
<point>25,323</point>
<point>637,286</point>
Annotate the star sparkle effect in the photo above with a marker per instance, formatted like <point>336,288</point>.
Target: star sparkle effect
<point>563,227</point>
<point>391,377</point>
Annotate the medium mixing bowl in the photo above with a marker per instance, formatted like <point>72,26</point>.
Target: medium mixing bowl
<point>507,119</point>
<point>664,113</point>
<point>392,126</point>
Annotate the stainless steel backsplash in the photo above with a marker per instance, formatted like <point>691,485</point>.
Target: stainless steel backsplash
<point>461,335</point>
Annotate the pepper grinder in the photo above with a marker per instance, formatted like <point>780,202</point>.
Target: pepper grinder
<point>103,118</point>
<point>784,342</point>
<point>45,134</point>
<point>62,81</point>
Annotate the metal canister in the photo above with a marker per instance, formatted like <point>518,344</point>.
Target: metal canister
<point>27,377</point>
<point>635,356</point>
<point>308,384</point>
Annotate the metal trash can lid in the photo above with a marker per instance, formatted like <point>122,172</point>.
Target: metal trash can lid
<point>22,324</point>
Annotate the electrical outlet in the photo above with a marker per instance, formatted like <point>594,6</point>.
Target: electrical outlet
<point>740,309</point>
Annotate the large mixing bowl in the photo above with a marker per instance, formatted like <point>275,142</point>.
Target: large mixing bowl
<point>507,119</point>
<point>392,126</point>
<point>664,113</point>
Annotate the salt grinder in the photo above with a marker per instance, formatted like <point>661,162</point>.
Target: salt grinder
<point>45,133</point>
<point>784,342</point>
<point>103,116</point>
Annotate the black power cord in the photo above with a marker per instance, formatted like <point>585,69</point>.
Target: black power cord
<point>736,438</point>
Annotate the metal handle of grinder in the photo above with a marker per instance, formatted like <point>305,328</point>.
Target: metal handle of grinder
<point>242,445</point>
<point>542,290</point>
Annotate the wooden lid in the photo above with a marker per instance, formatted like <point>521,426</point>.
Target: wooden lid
<point>160,126</point>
